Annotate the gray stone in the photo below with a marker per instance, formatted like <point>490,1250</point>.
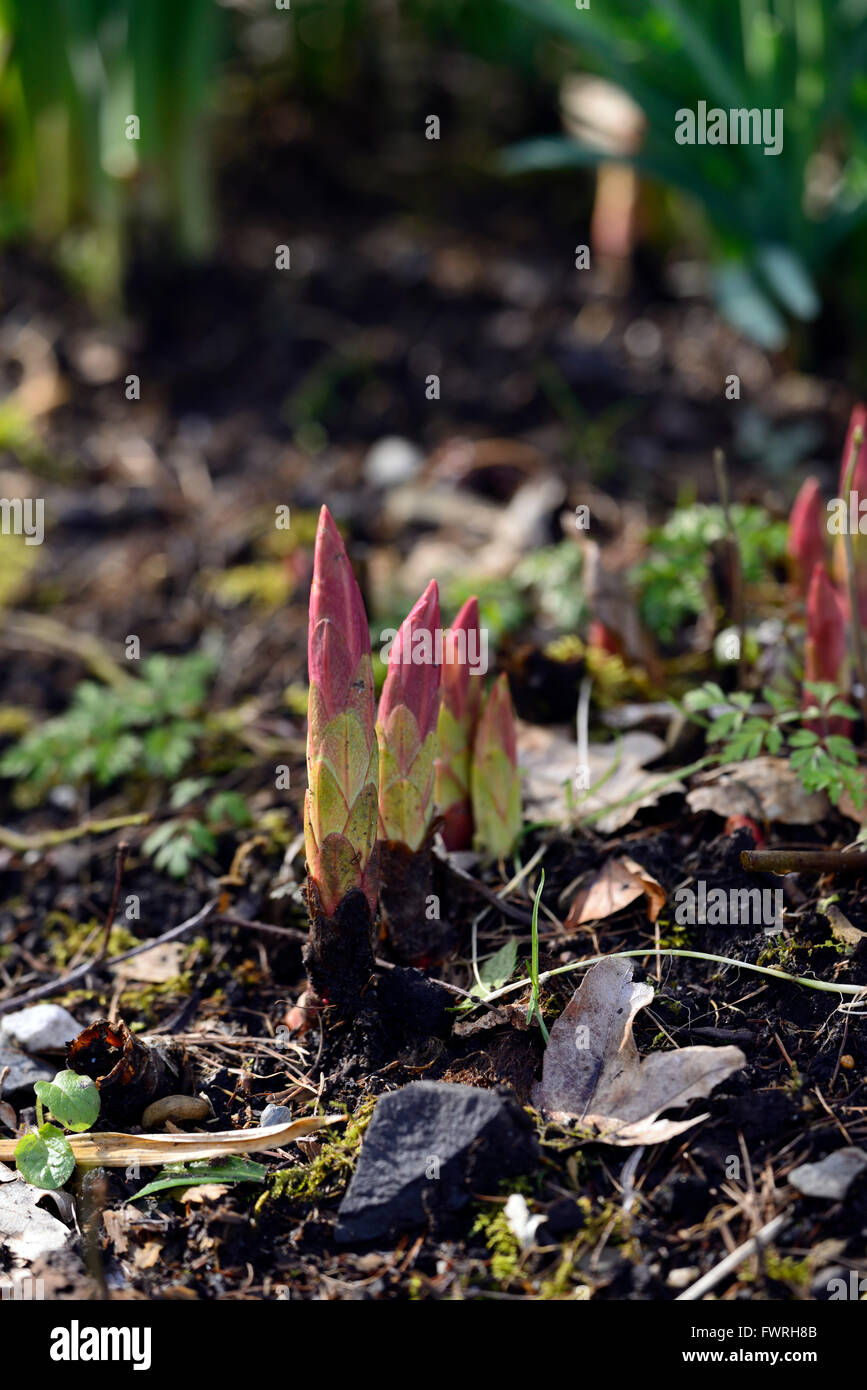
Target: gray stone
<point>275,1115</point>
<point>41,1028</point>
<point>23,1070</point>
<point>832,1177</point>
<point>427,1148</point>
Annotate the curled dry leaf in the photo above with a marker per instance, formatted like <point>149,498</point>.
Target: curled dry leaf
<point>765,788</point>
<point>617,884</point>
<point>26,1229</point>
<point>118,1150</point>
<point>841,928</point>
<point>593,1073</point>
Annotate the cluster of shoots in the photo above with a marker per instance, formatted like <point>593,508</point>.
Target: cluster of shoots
<point>381,782</point>
<point>832,578</point>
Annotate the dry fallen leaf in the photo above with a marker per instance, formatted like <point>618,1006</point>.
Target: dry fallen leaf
<point>841,928</point>
<point>147,1255</point>
<point>111,1150</point>
<point>548,761</point>
<point>205,1194</point>
<point>623,765</point>
<point>156,966</point>
<point>764,788</point>
<point>26,1229</point>
<point>617,884</point>
<point>592,1071</point>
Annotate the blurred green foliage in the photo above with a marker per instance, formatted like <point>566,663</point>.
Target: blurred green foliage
<point>150,727</point>
<point>776,221</point>
<point>72,73</point>
<point>671,582</point>
<point>177,843</point>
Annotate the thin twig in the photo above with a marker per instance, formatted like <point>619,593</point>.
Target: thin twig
<point>804,861</point>
<point>230,919</point>
<point>65,982</point>
<point>517,914</point>
<point>47,839</point>
<point>753,1246</point>
<point>120,854</point>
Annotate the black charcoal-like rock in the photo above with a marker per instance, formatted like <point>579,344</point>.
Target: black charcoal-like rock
<point>428,1147</point>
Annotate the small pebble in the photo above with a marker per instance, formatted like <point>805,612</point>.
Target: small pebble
<point>175,1108</point>
<point>830,1178</point>
<point>392,461</point>
<point>275,1115</point>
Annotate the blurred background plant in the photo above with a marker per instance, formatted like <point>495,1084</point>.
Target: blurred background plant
<point>149,726</point>
<point>775,223</point>
<point>72,73</point>
<point>671,581</point>
<point>75,168</point>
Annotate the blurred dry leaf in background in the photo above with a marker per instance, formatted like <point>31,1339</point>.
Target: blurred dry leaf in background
<point>549,762</point>
<point>764,788</point>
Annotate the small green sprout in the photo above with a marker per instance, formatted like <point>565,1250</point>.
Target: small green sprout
<point>44,1157</point>
<point>534,1006</point>
<point>824,760</point>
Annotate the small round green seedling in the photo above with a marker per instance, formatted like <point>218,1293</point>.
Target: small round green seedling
<point>44,1157</point>
<point>72,1099</point>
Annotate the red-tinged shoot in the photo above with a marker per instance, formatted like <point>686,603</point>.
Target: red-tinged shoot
<point>808,530</point>
<point>406,726</point>
<point>340,806</point>
<point>847,515</point>
<point>857,425</point>
<point>456,728</point>
<point>826,644</point>
<point>495,782</point>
